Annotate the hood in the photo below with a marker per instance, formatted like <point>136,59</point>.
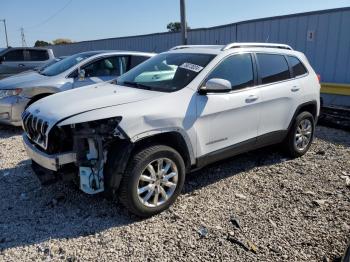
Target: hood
<point>62,105</point>
<point>22,80</point>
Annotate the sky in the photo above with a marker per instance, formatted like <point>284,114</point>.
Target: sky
<point>81,20</point>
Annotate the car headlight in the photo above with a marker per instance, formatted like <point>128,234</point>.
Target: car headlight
<point>10,92</point>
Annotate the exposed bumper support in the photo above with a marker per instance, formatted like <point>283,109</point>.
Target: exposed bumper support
<point>51,162</point>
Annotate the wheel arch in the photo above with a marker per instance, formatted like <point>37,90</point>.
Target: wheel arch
<point>122,150</point>
<point>37,97</point>
<point>310,107</point>
<point>171,138</point>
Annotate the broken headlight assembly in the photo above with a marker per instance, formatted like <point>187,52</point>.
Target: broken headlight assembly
<point>104,127</point>
<point>91,140</point>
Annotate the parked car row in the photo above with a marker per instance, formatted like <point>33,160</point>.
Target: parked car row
<point>137,137</point>
<point>19,91</point>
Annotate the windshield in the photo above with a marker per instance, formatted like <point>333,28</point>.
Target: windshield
<point>166,72</point>
<point>64,64</point>
<point>41,68</point>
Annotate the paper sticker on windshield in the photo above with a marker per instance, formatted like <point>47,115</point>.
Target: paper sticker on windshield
<point>192,67</point>
<point>79,59</point>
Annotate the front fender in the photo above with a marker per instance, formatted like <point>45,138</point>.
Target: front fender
<point>154,132</point>
<point>31,92</point>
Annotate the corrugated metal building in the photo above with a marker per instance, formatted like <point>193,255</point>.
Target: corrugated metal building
<point>322,35</point>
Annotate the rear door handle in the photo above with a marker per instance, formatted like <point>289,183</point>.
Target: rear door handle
<point>295,88</point>
<point>251,98</point>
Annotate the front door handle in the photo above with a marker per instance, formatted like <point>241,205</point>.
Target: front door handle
<point>251,98</point>
<point>20,65</point>
<point>295,88</point>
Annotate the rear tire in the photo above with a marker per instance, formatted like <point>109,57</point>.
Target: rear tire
<point>153,180</point>
<point>300,135</point>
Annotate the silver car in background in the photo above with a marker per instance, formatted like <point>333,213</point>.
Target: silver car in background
<point>14,60</point>
<point>18,92</point>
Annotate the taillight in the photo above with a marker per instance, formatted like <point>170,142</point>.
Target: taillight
<point>319,78</point>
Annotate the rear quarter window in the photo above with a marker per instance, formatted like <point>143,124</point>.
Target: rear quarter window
<point>136,60</point>
<point>38,55</point>
<point>273,68</point>
<point>298,69</point>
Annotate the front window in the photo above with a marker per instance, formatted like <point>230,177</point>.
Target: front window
<point>65,64</point>
<point>109,66</point>
<point>14,56</point>
<point>166,72</point>
<point>238,69</point>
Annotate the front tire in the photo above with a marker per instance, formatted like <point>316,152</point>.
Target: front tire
<point>153,180</point>
<point>300,135</point>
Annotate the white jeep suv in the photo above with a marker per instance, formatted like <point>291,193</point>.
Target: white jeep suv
<point>176,112</point>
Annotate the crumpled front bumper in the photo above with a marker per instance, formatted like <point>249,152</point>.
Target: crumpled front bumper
<point>51,162</point>
<point>11,109</point>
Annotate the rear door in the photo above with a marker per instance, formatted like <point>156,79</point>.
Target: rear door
<point>13,63</point>
<point>279,93</point>
<point>35,58</point>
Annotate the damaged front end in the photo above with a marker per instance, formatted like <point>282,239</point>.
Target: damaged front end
<point>80,151</point>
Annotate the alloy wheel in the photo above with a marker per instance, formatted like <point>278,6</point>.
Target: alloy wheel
<point>157,182</point>
<point>303,134</point>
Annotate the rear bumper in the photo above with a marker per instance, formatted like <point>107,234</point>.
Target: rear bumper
<point>11,109</point>
<point>51,162</point>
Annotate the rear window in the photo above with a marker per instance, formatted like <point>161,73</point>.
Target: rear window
<point>136,60</point>
<point>38,55</point>
<point>14,55</point>
<point>272,68</point>
<point>298,68</point>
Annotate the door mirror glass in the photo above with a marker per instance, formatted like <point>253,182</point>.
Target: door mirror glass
<point>217,85</point>
<point>81,74</point>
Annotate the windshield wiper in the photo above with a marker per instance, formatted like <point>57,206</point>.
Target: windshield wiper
<point>138,85</point>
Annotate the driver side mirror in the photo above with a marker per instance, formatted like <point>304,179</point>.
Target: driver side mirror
<point>81,74</point>
<point>216,85</point>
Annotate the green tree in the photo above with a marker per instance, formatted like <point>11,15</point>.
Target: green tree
<point>62,41</point>
<point>39,43</point>
<point>175,27</point>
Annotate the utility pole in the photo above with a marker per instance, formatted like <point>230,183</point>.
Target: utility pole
<point>7,41</point>
<point>183,22</point>
<point>24,44</point>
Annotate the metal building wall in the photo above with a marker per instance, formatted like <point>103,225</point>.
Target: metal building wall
<point>328,50</point>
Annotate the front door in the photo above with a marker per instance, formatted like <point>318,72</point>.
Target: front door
<point>226,120</point>
<point>12,63</point>
<point>102,70</point>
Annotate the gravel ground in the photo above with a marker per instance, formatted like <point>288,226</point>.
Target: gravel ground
<point>291,210</point>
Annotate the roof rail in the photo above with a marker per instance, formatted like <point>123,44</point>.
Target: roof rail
<point>194,46</point>
<point>266,45</point>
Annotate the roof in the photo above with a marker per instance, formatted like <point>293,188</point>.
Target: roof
<point>116,52</point>
<point>35,48</point>
<point>216,49</point>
